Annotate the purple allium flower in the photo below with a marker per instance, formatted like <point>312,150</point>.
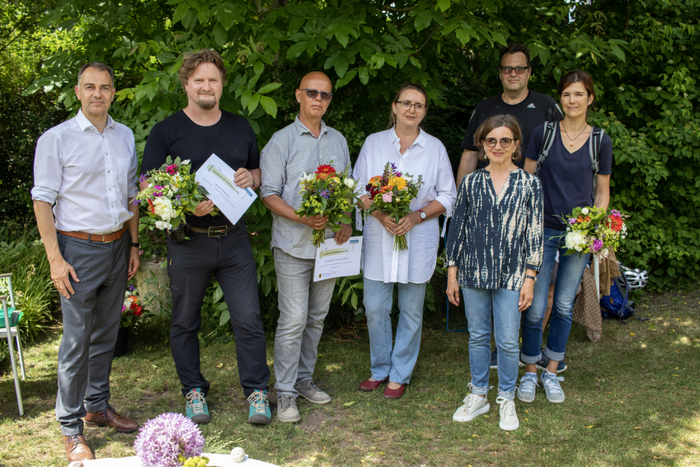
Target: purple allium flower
<point>326,194</point>
<point>597,244</point>
<point>165,437</point>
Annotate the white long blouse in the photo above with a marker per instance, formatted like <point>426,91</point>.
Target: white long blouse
<point>427,157</point>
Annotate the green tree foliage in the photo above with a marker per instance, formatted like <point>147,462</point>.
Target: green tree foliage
<point>642,54</point>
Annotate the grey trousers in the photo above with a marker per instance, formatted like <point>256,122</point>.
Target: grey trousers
<point>303,306</point>
<point>90,326</point>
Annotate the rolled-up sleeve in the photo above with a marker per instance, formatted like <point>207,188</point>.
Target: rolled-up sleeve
<point>534,244</point>
<point>132,189</point>
<point>445,186</point>
<point>456,236</point>
<point>48,168</point>
<point>272,166</point>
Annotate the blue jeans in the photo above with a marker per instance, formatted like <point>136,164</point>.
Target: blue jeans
<point>303,306</point>
<point>395,363</point>
<point>479,306</point>
<point>570,272</point>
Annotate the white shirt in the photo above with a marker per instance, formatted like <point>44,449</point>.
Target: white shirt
<point>87,174</point>
<point>427,157</point>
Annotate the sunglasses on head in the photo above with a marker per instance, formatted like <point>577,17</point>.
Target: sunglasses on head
<point>312,93</point>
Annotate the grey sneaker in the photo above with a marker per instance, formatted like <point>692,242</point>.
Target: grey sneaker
<point>528,385</point>
<point>550,383</point>
<point>509,419</point>
<point>308,390</point>
<point>473,407</point>
<point>287,409</point>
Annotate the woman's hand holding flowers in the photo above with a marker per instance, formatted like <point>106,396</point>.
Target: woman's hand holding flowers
<point>388,222</point>
<point>406,223</point>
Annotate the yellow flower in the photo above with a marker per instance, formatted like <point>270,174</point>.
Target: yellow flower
<point>397,182</point>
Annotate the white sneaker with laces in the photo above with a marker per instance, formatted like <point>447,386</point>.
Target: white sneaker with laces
<point>473,407</point>
<point>509,419</point>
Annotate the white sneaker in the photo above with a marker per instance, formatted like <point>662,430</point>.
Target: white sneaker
<point>473,407</point>
<point>509,419</point>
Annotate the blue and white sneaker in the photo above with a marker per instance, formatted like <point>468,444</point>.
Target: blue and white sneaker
<point>259,412</point>
<point>550,383</point>
<point>196,407</point>
<point>528,386</point>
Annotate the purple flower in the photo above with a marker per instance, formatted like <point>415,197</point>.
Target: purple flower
<point>326,194</point>
<point>572,220</point>
<point>165,437</point>
<point>615,212</point>
<point>398,174</point>
<point>597,245</point>
<point>157,188</point>
<point>143,178</point>
<point>135,201</point>
<point>132,288</point>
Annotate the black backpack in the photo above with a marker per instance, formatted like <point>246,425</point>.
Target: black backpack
<point>593,148</point>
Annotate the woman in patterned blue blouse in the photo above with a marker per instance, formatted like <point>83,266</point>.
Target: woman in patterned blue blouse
<point>494,250</point>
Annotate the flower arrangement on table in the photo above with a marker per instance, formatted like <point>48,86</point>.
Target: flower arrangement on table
<point>171,193</point>
<point>132,309</point>
<point>392,193</point>
<point>592,230</point>
<point>327,193</point>
<point>170,440</point>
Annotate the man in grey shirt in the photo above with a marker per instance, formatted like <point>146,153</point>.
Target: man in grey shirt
<point>300,147</point>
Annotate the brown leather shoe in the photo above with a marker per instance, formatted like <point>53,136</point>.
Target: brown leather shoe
<point>77,448</point>
<point>369,385</point>
<point>394,393</point>
<point>109,417</point>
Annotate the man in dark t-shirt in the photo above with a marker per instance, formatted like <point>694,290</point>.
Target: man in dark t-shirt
<point>212,244</point>
<point>530,108</point>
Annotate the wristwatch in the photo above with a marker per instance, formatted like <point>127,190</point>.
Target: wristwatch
<point>135,244</point>
<point>423,215</point>
<point>534,278</point>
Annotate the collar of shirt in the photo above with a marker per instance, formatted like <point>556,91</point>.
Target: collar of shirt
<point>301,128</point>
<point>85,124</point>
<point>420,141</point>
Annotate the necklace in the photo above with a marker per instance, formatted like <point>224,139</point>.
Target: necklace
<point>571,140</point>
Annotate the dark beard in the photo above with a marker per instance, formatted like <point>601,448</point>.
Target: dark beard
<point>206,104</point>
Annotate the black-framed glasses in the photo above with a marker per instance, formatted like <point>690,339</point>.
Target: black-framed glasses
<point>312,93</point>
<point>506,70</point>
<point>406,105</point>
<point>491,142</point>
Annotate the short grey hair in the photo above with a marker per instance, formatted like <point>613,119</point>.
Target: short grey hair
<point>98,66</point>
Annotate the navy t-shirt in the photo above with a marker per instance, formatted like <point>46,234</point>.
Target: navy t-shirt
<point>567,178</point>
<point>231,138</point>
<point>535,109</point>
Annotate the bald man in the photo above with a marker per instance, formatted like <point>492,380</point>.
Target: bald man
<point>303,304</point>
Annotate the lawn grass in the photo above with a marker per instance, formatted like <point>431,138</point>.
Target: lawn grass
<point>631,400</point>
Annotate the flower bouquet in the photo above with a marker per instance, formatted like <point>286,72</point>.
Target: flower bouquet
<point>592,230</point>
<point>131,309</point>
<point>171,193</point>
<point>327,193</point>
<point>168,441</point>
<point>392,193</point>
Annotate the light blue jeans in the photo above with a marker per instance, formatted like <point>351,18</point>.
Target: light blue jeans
<point>303,306</point>
<point>569,275</point>
<point>480,306</point>
<point>395,362</point>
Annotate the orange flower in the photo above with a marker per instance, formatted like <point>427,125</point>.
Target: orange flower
<point>397,182</point>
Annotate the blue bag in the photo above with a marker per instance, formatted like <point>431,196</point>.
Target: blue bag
<point>617,304</point>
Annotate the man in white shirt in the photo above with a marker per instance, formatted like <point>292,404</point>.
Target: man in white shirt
<point>84,179</point>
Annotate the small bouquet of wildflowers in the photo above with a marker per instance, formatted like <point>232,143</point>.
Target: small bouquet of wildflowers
<point>168,441</point>
<point>327,193</point>
<point>131,308</point>
<point>592,230</point>
<point>172,192</point>
<point>392,193</point>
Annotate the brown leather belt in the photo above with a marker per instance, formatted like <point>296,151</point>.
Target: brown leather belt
<point>102,238</point>
<point>214,231</point>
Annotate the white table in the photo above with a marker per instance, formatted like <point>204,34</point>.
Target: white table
<point>218,460</point>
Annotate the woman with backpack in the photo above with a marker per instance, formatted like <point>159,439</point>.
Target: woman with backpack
<point>573,161</point>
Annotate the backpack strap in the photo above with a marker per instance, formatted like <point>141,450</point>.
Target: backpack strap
<point>594,143</point>
<point>547,141</point>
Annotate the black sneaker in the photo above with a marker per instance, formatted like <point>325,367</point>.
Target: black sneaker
<point>494,359</point>
<point>542,365</point>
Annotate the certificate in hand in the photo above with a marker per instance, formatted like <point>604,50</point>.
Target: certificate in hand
<point>333,260</point>
<point>217,178</point>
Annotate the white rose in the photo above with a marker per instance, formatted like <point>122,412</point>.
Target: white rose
<point>575,241</point>
<point>309,177</point>
<point>163,208</point>
<point>163,225</point>
<point>350,183</point>
<point>408,178</point>
<point>186,161</point>
<point>584,211</point>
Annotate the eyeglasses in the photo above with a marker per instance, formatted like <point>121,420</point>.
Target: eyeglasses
<point>491,142</point>
<point>406,105</point>
<point>312,93</point>
<point>506,70</point>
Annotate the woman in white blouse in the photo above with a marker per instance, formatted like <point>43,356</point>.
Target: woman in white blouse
<point>414,152</point>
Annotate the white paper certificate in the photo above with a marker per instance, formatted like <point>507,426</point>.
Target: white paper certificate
<point>217,178</point>
<point>333,260</point>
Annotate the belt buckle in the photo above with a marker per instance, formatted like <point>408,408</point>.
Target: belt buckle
<point>217,231</point>
<point>106,241</point>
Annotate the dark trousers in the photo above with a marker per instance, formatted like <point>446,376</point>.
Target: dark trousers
<point>190,266</point>
<point>90,327</point>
